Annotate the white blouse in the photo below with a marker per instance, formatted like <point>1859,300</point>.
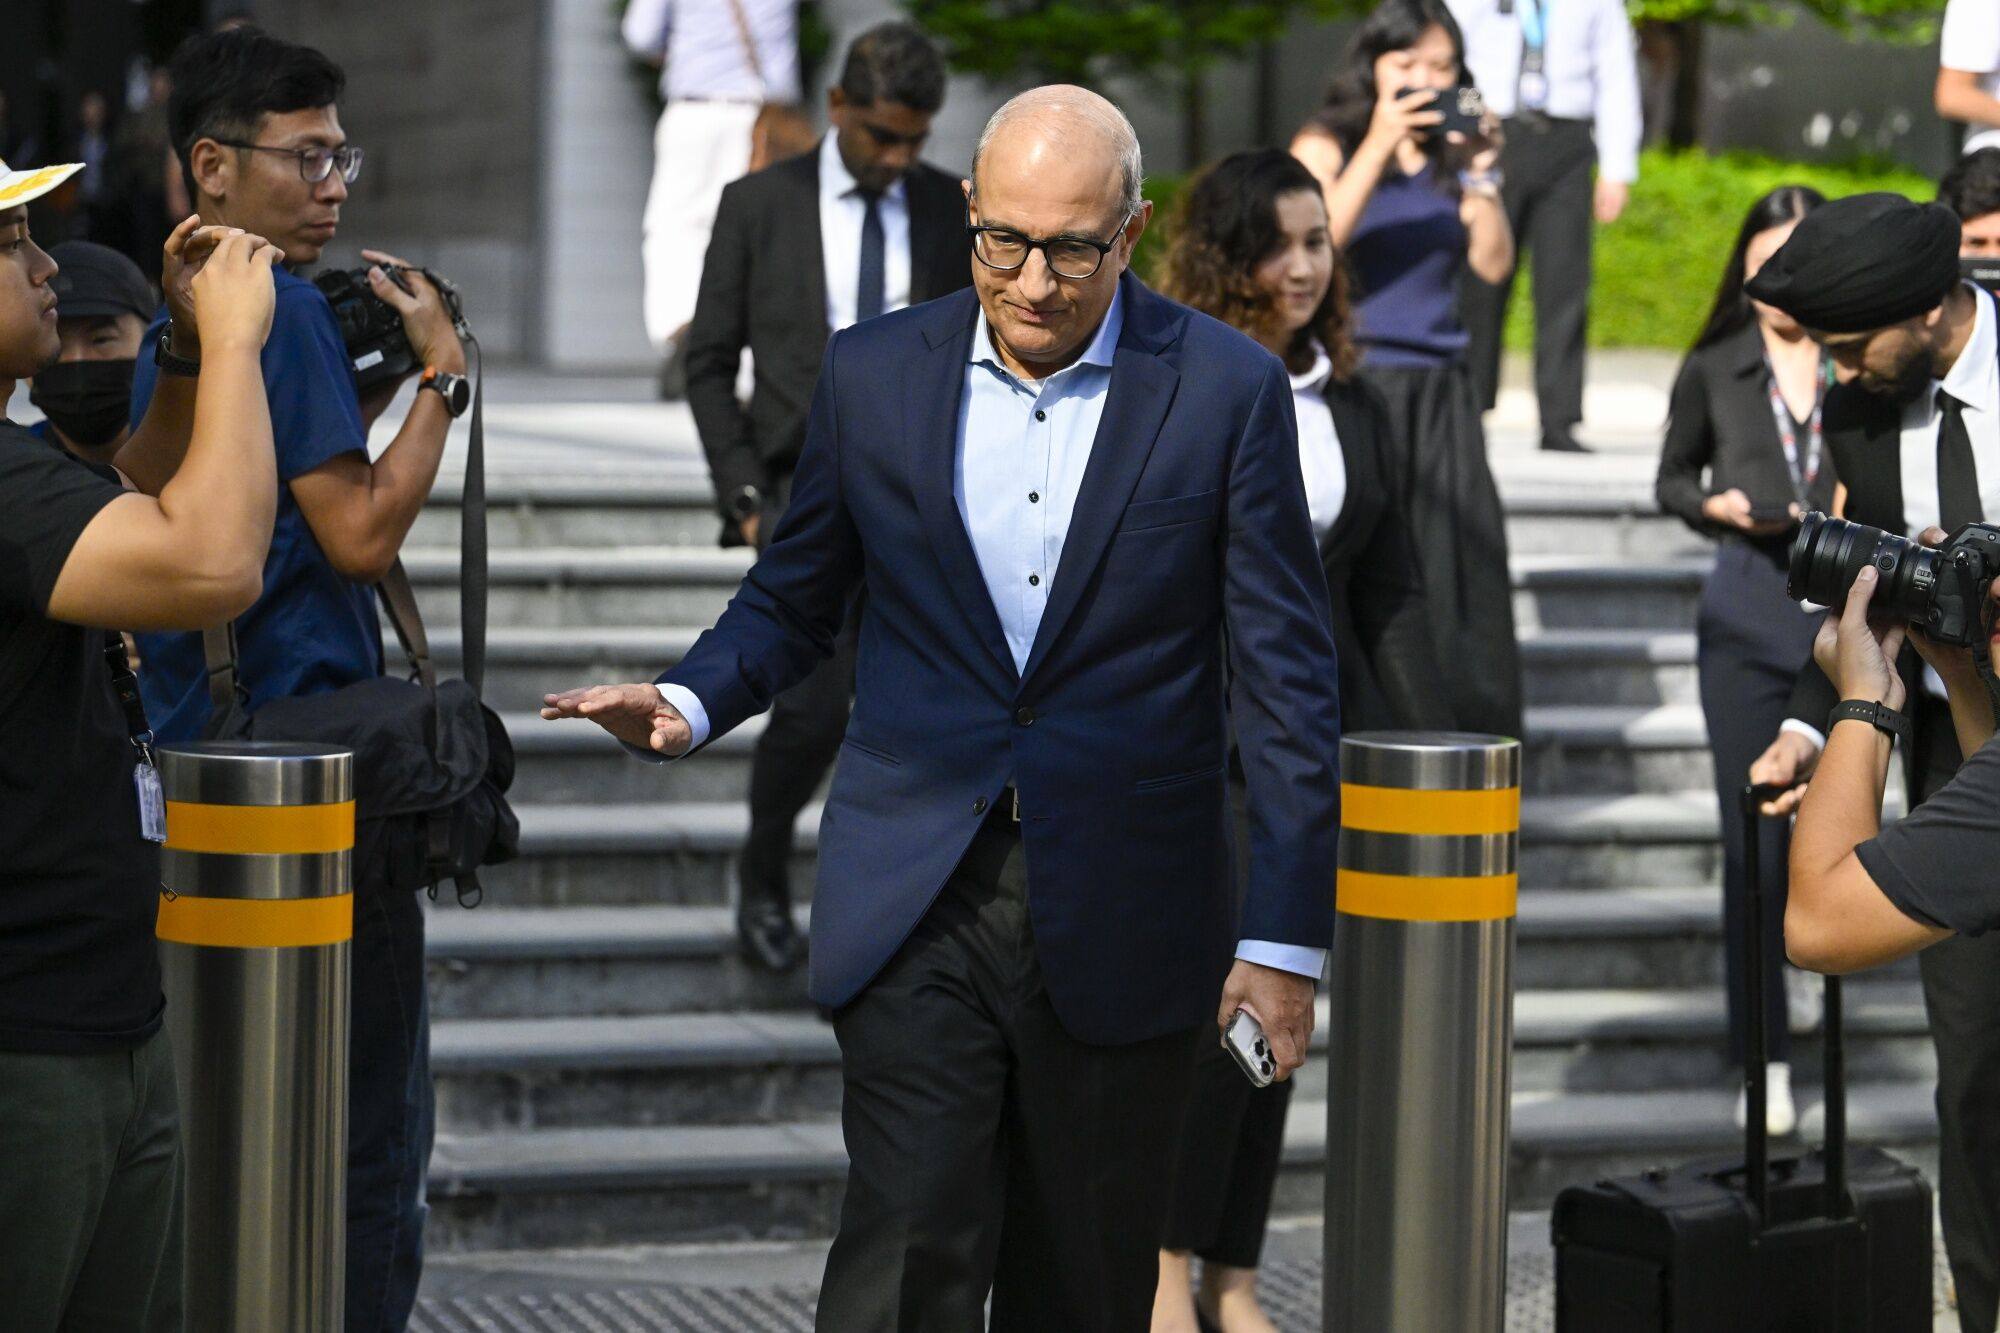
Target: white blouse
<point>1320,456</point>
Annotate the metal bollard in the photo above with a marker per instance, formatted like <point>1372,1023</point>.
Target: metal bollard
<point>1421,1036</point>
<point>254,941</point>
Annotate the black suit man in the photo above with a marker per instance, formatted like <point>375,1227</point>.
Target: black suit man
<point>1914,432</point>
<point>801,250</point>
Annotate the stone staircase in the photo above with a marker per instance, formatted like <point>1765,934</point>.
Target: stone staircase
<point>609,1073</point>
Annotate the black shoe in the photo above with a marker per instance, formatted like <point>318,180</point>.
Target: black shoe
<point>1564,443</point>
<point>768,937</point>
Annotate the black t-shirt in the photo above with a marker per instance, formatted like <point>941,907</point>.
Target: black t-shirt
<point>1941,862</point>
<point>79,886</point>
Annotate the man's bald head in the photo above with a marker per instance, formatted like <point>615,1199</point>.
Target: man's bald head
<point>1068,123</point>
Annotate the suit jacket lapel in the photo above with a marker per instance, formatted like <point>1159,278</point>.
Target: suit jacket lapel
<point>1357,448</point>
<point>933,391</point>
<point>1135,406</point>
<point>807,239</point>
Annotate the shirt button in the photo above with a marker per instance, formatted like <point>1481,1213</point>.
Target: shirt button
<point>1041,415</point>
<point>1034,497</point>
<point>1034,580</point>
<point>979,806</point>
<point>1025,716</point>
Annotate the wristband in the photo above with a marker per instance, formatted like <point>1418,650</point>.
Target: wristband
<point>1880,716</point>
<point>168,362</point>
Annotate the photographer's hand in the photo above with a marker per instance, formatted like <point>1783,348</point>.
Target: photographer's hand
<point>187,250</point>
<point>1857,654</point>
<point>425,318</point>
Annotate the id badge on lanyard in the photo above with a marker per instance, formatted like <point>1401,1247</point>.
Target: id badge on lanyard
<point>145,772</point>
<point>1532,89</point>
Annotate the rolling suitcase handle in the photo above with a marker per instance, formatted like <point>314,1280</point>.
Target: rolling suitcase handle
<point>1757,1149</point>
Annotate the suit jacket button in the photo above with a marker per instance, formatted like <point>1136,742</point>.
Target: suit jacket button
<point>1025,716</point>
<point>979,806</point>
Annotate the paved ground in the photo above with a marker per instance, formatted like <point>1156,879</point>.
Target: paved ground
<point>771,1288</point>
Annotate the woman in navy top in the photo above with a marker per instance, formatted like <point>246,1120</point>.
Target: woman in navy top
<point>1413,210</point>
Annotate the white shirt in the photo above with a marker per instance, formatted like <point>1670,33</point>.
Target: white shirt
<point>1970,42</point>
<point>705,53</point>
<point>1320,456</point>
<point>1974,379</point>
<point>841,215</point>
<point>1590,60</point>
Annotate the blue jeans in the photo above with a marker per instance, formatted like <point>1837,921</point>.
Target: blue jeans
<point>391,1111</point>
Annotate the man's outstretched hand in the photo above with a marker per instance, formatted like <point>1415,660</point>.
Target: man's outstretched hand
<point>1282,1004</point>
<point>635,714</point>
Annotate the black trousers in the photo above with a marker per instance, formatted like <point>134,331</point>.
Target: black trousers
<point>1453,510</point>
<point>1228,1164</point>
<point>1547,197</point>
<point>800,742</point>
<point>1751,639</point>
<point>988,1148</point>
<point>1962,998</point>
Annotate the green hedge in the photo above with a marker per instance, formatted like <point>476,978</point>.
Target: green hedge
<point>1657,266</point>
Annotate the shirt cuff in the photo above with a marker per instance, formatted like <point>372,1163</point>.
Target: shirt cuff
<point>1297,958</point>
<point>690,708</point>
<point>1805,729</point>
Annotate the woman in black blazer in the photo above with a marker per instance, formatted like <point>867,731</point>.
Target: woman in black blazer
<point>1746,412</point>
<point>1251,248</point>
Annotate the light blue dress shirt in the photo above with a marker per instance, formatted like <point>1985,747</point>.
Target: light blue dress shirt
<point>1023,446</point>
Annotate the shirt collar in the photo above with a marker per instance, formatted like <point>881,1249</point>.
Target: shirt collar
<point>1314,380</point>
<point>1102,349</point>
<point>1972,378</point>
<point>836,181</point>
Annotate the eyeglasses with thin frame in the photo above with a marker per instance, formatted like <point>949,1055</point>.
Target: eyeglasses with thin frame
<point>1072,257</point>
<point>315,164</point>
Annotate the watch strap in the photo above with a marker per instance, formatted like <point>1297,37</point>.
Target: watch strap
<point>168,361</point>
<point>1880,716</point>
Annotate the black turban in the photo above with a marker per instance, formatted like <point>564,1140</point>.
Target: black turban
<point>1862,263</point>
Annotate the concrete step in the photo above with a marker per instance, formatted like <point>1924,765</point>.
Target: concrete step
<point>1604,667</point>
<point>517,962</point>
<point>1582,748</point>
<point>682,852</point>
<point>1572,750</point>
<point>551,1188</point>
<point>1625,524</point>
<point>1616,666</point>
<point>639,586</point>
<point>749,1067</point>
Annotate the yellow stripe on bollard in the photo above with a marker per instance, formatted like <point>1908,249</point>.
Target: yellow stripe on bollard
<point>256,923</point>
<point>1406,810</point>
<point>1427,897</point>
<point>250,830</point>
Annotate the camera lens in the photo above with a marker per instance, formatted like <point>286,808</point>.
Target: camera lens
<point>1828,552</point>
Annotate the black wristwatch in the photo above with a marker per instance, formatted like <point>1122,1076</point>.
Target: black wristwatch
<point>456,390</point>
<point>746,503</point>
<point>169,363</point>
<point>1880,716</point>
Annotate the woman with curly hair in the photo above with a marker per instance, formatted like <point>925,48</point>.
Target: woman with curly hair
<point>1251,248</point>
<point>1414,209</point>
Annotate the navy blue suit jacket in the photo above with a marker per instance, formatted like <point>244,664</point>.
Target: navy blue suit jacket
<point>1189,590</point>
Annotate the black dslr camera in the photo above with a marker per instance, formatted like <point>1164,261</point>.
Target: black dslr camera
<point>377,346</point>
<point>1982,272</point>
<point>1941,590</point>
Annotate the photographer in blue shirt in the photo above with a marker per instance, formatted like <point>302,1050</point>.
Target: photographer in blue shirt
<point>254,122</point>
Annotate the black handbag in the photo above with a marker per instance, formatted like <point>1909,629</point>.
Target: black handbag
<point>432,763</point>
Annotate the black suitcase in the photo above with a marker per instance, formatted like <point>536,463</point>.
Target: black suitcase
<point>1825,1240</point>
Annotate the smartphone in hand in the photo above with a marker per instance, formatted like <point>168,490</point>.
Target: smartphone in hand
<point>1245,1041</point>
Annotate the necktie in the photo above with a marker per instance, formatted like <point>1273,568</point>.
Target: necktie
<point>868,290</point>
<point>1957,473</point>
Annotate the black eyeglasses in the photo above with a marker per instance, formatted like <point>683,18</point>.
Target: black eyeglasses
<point>315,164</point>
<point>1072,257</point>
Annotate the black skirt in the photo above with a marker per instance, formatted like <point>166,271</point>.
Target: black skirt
<point>1460,533</point>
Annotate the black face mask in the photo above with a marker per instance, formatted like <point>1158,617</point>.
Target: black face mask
<point>88,401</point>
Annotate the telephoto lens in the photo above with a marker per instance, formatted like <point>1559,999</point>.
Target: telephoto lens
<point>1828,552</point>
